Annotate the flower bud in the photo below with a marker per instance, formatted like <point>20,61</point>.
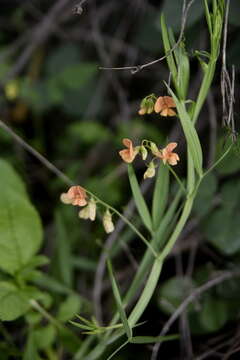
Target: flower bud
<point>144,152</point>
<point>89,211</point>
<point>150,172</point>
<point>107,222</point>
<point>92,209</point>
<point>65,199</point>
<point>147,105</point>
<point>154,148</point>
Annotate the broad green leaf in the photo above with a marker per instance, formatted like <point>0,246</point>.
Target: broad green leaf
<point>206,191</point>
<point>69,308</point>
<point>214,314</point>
<point>139,200</point>
<point>160,195</point>
<point>152,339</point>
<point>173,292</point>
<point>9,178</point>
<point>222,230</point>
<point>190,133</point>
<point>20,228</point>
<point>13,301</point>
<point>45,337</point>
<point>117,296</point>
<point>89,132</point>
<point>78,75</point>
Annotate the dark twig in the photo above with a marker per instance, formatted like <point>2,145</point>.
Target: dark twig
<point>39,35</point>
<point>136,68</point>
<point>195,294</point>
<point>36,154</point>
<point>227,83</point>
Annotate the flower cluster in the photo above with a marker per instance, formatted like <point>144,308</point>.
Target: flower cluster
<point>166,154</point>
<point>163,105</point>
<point>77,196</point>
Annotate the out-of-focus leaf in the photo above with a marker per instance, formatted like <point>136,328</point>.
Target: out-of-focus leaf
<point>62,258</point>
<point>173,13</point>
<point>214,314</point>
<point>206,191</point>
<point>20,226</point>
<point>75,76</point>
<point>10,178</point>
<point>222,230</point>
<point>173,292</point>
<point>13,301</point>
<point>69,308</point>
<point>45,337</point>
<point>234,12</point>
<point>230,164</point>
<point>61,58</point>
<point>89,132</point>
<point>30,352</point>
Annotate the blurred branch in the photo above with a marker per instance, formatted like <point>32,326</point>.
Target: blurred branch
<point>36,154</point>
<point>41,32</point>
<point>136,68</point>
<point>226,275</point>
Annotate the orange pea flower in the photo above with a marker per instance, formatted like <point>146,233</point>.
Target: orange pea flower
<point>129,154</point>
<point>163,106</point>
<point>76,195</point>
<point>168,156</point>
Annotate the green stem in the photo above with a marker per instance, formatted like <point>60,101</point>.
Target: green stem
<point>146,242</point>
<point>178,179</point>
<point>35,305</point>
<point>218,161</point>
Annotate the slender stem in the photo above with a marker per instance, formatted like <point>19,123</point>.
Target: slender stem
<point>35,305</point>
<point>178,179</point>
<point>218,161</point>
<point>146,242</point>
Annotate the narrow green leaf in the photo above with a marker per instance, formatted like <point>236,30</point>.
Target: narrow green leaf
<point>117,296</point>
<point>139,200</point>
<point>63,260</point>
<point>160,195</point>
<point>167,48</point>
<point>208,17</point>
<point>81,326</point>
<point>30,352</point>
<point>118,349</point>
<point>190,133</point>
<point>152,339</point>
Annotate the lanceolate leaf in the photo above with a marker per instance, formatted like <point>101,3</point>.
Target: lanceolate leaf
<point>152,339</point>
<point>139,200</point>
<point>190,133</point>
<point>117,296</point>
<point>160,195</point>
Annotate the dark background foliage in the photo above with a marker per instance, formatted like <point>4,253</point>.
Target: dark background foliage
<point>56,98</point>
